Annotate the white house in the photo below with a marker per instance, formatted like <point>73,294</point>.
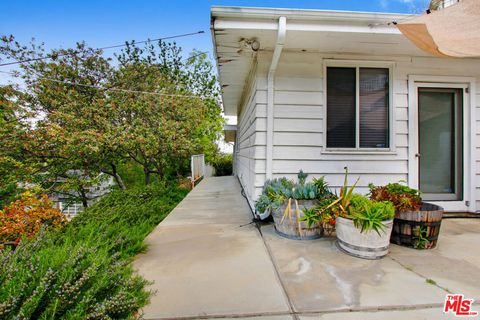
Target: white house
<point>322,90</point>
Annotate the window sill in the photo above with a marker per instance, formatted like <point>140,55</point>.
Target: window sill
<point>360,151</point>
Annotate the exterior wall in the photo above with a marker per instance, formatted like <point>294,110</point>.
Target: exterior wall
<point>477,146</point>
<point>247,132</point>
<point>299,125</point>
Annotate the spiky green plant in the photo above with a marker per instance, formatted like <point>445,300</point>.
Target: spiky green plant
<point>323,190</point>
<point>369,215</point>
<point>341,205</point>
<point>310,216</point>
<point>302,177</point>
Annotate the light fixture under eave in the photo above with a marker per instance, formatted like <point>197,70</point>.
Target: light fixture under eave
<point>255,45</point>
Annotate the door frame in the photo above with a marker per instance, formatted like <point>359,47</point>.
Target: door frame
<point>469,125</point>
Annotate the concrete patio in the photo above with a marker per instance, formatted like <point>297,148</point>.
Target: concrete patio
<point>207,261</point>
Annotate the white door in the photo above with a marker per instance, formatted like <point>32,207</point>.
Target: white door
<point>439,136</point>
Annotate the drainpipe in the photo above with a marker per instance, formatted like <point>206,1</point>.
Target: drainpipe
<point>282,31</point>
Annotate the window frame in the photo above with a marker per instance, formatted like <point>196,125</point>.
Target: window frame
<point>357,64</point>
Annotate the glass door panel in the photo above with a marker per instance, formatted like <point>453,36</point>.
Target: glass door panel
<point>440,143</point>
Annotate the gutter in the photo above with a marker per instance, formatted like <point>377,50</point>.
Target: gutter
<point>307,14</point>
<point>215,54</point>
<point>282,31</point>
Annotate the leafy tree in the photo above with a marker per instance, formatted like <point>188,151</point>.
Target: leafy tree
<point>65,134</point>
<point>162,130</point>
<point>13,164</point>
<point>89,115</point>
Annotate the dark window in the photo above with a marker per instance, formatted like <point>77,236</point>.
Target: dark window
<point>373,108</point>
<point>372,101</point>
<point>341,107</point>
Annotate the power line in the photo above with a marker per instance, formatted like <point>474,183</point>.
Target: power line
<point>111,89</point>
<point>103,48</point>
<point>183,60</point>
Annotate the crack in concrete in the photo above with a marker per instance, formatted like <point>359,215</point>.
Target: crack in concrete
<point>314,313</point>
<point>277,273</point>
<point>409,268</point>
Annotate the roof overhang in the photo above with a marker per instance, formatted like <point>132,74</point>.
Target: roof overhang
<point>230,131</point>
<point>336,32</point>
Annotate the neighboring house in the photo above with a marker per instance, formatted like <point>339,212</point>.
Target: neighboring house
<point>71,208</point>
<point>322,90</point>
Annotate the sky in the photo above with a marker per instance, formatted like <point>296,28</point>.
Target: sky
<point>101,23</point>
<point>108,22</point>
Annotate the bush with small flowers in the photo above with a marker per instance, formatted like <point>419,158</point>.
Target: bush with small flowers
<point>84,270</point>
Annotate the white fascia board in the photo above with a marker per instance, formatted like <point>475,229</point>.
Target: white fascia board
<point>221,23</point>
<point>320,26</point>
<point>305,14</point>
<point>344,28</point>
<point>226,24</point>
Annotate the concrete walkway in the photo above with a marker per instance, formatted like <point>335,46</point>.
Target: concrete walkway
<point>206,261</point>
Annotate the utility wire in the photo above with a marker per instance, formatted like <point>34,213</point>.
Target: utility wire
<point>183,60</point>
<point>103,48</point>
<point>110,89</point>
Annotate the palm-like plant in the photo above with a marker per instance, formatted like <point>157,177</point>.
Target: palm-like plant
<point>368,215</point>
<point>341,205</point>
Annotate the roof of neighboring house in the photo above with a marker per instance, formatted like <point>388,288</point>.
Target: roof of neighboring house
<point>335,32</point>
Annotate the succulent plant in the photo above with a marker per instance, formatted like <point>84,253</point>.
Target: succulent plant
<point>277,191</point>
<point>402,197</point>
<point>302,177</point>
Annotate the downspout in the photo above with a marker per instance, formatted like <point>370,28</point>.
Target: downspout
<point>282,31</point>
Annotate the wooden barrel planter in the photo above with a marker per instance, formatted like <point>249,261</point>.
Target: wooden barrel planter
<point>365,245</point>
<point>291,227</point>
<point>418,229</point>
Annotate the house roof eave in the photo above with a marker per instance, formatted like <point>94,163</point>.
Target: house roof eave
<point>305,14</point>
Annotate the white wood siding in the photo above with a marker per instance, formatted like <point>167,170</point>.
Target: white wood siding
<point>247,130</point>
<point>299,125</point>
<point>477,145</point>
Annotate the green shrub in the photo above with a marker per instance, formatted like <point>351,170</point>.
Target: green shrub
<point>369,215</point>
<point>402,197</point>
<point>275,193</point>
<point>84,271</point>
<point>223,165</point>
<point>8,194</point>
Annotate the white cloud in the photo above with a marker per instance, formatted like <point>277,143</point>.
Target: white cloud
<point>383,3</point>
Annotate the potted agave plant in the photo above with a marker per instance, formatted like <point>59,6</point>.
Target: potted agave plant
<point>363,226</point>
<point>287,201</point>
<point>416,223</point>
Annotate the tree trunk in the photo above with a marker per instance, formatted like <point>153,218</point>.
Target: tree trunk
<point>160,172</point>
<point>147,175</point>
<point>83,197</point>
<point>118,178</point>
